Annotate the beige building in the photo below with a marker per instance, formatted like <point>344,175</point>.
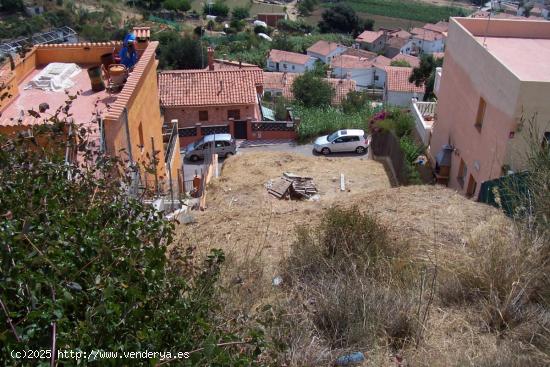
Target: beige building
<point>496,75</point>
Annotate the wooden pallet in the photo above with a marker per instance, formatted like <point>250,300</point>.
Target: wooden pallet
<point>279,188</point>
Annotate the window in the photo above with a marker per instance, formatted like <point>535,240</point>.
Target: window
<point>353,138</point>
<point>462,172</point>
<point>472,185</point>
<point>284,66</point>
<point>234,114</point>
<point>340,140</point>
<point>293,68</point>
<point>140,132</point>
<point>220,144</point>
<point>480,113</point>
<point>203,115</point>
<point>376,77</point>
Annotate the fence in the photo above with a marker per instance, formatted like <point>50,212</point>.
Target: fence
<point>385,145</point>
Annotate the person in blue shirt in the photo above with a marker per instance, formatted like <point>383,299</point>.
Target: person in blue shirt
<point>128,54</point>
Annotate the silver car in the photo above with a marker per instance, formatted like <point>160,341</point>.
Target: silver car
<point>221,144</point>
<point>351,140</point>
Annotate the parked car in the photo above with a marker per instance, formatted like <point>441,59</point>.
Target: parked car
<point>222,144</point>
<point>351,140</point>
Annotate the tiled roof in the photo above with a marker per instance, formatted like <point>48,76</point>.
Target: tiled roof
<point>360,53</point>
<point>438,55</point>
<point>209,88</point>
<point>220,64</point>
<point>442,27</point>
<point>397,80</point>
<point>397,42</point>
<point>290,57</point>
<point>350,62</point>
<point>399,33</point>
<point>412,60</point>
<point>368,36</point>
<point>276,81</point>
<point>426,34</point>
<point>142,33</point>
<point>324,48</point>
<point>381,61</point>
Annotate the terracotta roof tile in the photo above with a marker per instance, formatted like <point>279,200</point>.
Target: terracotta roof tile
<point>290,57</point>
<point>324,47</point>
<point>426,34</point>
<point>278,81</point>
<point>209,88</point>
<point>359,53</point>
<point>350,62</point>
<point>369,36</point>
<point>397,80</point>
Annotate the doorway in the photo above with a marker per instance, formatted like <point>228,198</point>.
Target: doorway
<point>240,130</point>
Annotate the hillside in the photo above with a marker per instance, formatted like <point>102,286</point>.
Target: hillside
<point>433,227</point>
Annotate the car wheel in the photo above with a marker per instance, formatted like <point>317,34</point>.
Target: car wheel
<point>325,151</point>
<point>194,158</point>
<point>360,150</point>
<point>228,154</point>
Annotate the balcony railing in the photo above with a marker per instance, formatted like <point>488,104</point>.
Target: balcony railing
<point>424,116</point>
<point>170,139</point>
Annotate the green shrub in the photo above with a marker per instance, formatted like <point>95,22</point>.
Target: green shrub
<point>411,10</point>
<point>322,121</point>
<point>312,91</point>
<point>344,264</point>
<point>219,9</point>
<point>240,13</point>
<point>85,264</point>
<point>355,101</point>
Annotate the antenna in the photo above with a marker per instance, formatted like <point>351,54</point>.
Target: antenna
<point>488,22</point>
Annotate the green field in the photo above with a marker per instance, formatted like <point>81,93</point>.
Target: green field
<point>254,8</point>
<point>412,10</point>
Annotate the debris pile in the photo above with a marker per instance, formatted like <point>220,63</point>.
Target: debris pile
<point>291,186</point>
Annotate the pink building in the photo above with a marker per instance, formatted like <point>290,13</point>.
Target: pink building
<point>496,75</point>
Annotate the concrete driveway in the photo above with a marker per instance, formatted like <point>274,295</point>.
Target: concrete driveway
<point>260,146</point>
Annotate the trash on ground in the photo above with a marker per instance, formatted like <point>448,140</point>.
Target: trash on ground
<point>292,186</point>
<point>352,359</point>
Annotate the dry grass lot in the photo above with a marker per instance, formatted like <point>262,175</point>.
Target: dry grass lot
<point>472,246</point>
<point>244,219</point>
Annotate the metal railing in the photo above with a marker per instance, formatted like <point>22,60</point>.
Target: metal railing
<point>170,140</point>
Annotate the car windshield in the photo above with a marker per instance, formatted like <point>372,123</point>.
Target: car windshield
<point>332,136</point>
<point>197,143</point>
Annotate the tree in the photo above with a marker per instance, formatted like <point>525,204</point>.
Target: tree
<point>218,9</point>
<point>400,63</point>
<point>312,91</point>
<point>11,5</point>
<point>355,101</point>
<point>177,5</point>
<point>294,26</point>
<point>85,265</point>
<point>279,106</point>
<point>305,7</point>
<point>340,18</point>
<point>240,13</point>
<point>183,53</point>
<point>425,74</point>
<point>320,69</point>
<point>367,24</point>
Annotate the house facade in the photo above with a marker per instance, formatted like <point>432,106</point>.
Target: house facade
<point>366,73</point>
<point>212,101</point>
<point>398,91</point>
<point>125,122</point>
<point>325,51</point>
<point>487,94</point>
<point>429,39</point>
<point>290,62</point>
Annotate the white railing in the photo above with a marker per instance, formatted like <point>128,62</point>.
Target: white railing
<point>437,82</point>
<point>424,115</point>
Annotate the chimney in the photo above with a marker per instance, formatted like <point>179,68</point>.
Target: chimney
<point>240,64</point>
<point>210,51</point>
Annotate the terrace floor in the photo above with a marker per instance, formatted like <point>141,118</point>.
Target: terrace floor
<point>84,110</point>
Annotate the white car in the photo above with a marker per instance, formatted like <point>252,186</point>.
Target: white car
<point>351,140</point>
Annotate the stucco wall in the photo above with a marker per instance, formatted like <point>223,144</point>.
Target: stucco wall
<point>402,99</point>
<point>470,72</point>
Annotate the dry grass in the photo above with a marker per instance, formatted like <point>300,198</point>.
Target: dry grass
<point>482,312</point>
